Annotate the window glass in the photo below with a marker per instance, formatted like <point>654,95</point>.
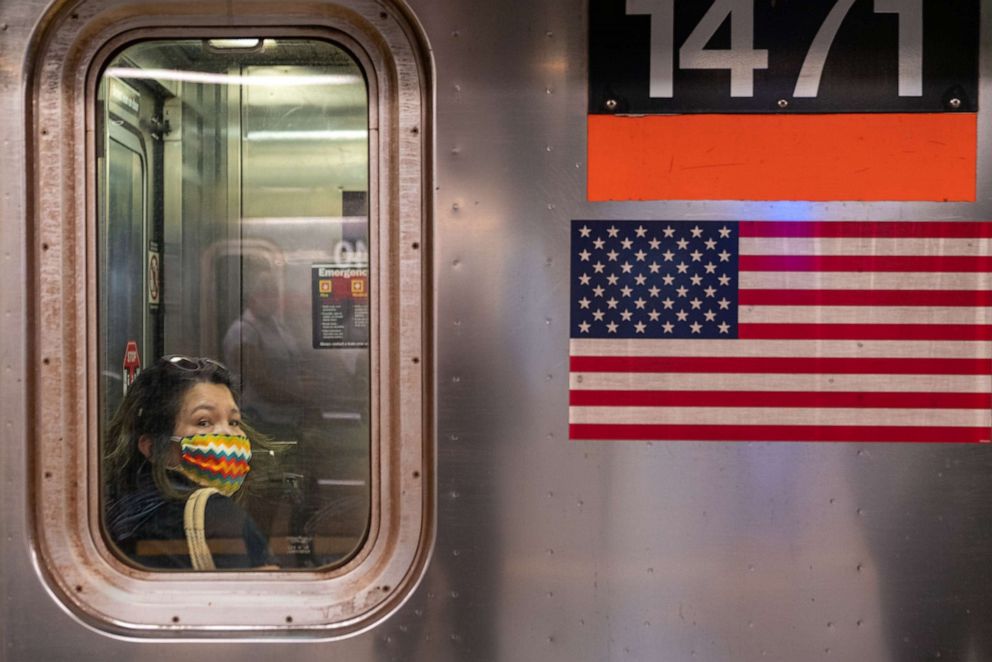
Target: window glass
<point>233,240</point>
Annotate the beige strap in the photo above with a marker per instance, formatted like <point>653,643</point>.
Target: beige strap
<point>196,538</point>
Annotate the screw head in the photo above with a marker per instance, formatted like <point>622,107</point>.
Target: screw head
<point>783,103</point>
<point>611,104</point>
<point>954,103</point>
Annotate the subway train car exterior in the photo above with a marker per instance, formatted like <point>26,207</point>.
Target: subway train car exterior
<point>560,330</point>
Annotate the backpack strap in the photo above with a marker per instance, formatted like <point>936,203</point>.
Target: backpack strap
<point>196,539</point>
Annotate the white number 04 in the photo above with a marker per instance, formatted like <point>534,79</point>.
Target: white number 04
<point>742,58</point>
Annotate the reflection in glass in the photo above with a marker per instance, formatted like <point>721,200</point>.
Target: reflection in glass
<point>231,176</point>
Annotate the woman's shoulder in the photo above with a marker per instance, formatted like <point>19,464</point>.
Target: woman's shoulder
<point>224,518</point>
<point>222,509</point>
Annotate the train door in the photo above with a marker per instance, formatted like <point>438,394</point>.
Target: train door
<point>129,229</point>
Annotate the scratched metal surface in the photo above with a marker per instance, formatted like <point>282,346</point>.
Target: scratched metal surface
<point>553,550</point>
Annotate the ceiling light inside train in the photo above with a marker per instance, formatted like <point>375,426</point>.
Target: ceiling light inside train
<point>234,44</point>
<point>288,80</point>
<point>341,134</point>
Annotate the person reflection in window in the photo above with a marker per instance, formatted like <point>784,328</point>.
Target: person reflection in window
<point>178,433</point>
<point>262,350</point>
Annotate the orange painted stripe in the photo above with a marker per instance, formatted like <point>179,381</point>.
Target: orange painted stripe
<point>879,156</point>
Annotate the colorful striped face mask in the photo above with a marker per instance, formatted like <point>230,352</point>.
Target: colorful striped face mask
<point>215,460</point>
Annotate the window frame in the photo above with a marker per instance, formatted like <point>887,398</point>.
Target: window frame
<point>72,47</point>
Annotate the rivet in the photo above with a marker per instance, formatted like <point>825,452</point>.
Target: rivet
<point>954,103</point>
<point>611,104</point>
<point>783,103</point>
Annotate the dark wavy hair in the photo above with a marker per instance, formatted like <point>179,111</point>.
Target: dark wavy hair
<point>150,407</point>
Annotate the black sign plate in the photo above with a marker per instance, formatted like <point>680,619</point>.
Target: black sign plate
<point>340,298</point>
<point>694,56</point>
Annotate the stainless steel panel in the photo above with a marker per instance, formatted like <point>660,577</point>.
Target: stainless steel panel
<point>554,550</point>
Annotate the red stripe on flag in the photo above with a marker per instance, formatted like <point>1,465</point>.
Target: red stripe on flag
<point>862,263</point>
<point>591,398</point>
<point>864,332</point>
<point>865,297</point>
<point>860,229</point>
<point>866,433</point>
<point>777,365</point>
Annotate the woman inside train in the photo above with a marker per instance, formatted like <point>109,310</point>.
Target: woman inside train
<point>177,456</point>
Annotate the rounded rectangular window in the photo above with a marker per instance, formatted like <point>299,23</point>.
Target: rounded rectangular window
<point>235,303</point>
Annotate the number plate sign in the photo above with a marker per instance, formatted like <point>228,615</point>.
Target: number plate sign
<point>699,56</point>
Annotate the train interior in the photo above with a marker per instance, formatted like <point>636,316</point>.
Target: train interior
<point>228,169</point>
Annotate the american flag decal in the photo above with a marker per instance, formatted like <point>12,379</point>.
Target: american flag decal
<point>781,331</point>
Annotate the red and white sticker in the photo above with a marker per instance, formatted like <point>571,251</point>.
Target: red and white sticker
<point>132,364</point>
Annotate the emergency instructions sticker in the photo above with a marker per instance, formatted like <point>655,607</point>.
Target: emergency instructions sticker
<point>340,295</point>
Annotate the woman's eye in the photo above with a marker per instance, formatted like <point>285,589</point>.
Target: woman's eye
<point>203,423</point>
<point>236,424</point>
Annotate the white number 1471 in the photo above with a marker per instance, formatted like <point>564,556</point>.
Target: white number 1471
<point>741,59</point>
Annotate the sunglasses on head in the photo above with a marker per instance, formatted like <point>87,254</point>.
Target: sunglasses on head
<point>194,363</point>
